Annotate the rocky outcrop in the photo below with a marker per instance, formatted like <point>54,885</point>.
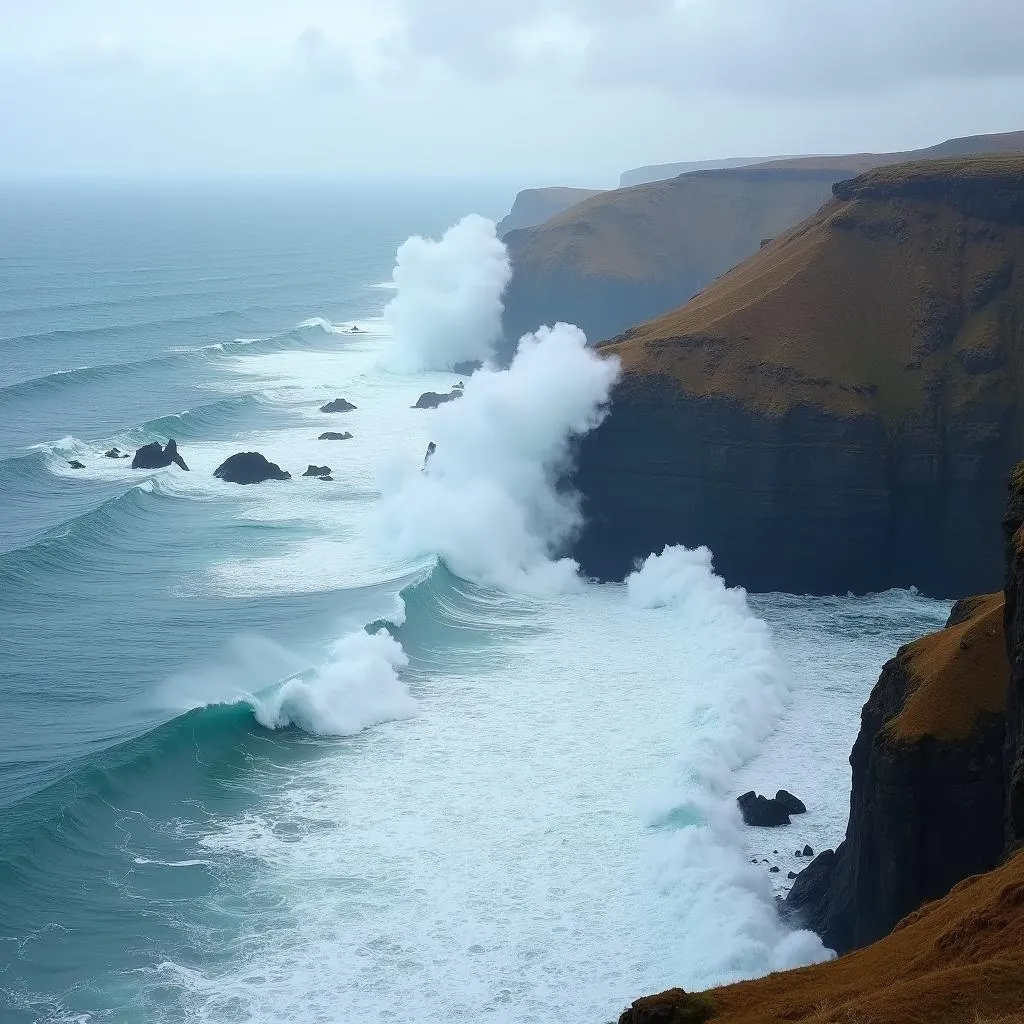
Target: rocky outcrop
<point>115,453</point>
<point>927,796</point>
<point>338,405</point>
<point>152,456</point>
<point>431,399</point>
<point>768,812</point>
<point>533,206</point>
<point>249,468</point>
<point>1013,621</point>
<point>75,464</point>
<point>312,470</point>
<point>857,378</point>
<point>334,435</point>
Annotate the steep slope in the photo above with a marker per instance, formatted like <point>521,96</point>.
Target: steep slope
<point>859,378</point>
<point>630,254</point>
<point>533,206</point>
<point>659,172</point>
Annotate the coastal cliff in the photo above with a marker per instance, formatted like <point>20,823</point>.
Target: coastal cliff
<point>533,206</point>
<point>928,887</point>
<point>859,378</point>
<point>634,253</point>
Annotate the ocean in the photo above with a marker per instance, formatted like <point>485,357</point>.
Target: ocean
<point>367,748</point>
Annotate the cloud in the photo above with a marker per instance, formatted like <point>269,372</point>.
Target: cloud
<point>321,62</point>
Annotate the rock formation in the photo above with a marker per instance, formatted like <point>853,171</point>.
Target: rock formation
<point>334,435</point>
<point>337,405</point>
<point>115,453</point>
<point>321,471</point>
<point>249,468</point>
<point>767,813</point>
<point>533,206</point>
<point>634,253</point>
<point>431,399</point>
<point>856,379</point>
<point>75,464</point>
<point>152,456</point>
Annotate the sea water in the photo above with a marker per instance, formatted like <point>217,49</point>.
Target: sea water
<point>361,749</point>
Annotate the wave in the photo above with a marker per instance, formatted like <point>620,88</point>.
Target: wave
<point>226,417</point>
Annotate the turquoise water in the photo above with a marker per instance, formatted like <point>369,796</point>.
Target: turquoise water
<point>221,798</point>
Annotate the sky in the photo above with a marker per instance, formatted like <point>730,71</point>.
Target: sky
<point>540,91</point>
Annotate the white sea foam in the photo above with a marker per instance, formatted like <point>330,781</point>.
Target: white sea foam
<point>488,501</point>
<point>448,297</point>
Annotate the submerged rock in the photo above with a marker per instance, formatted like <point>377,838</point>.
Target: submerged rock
<point>115,453</point>
<point>75,464</point>
<point>249,468</point>
<point>760,811</point>
<point>333,435</point>
<point>431,399</point>
<point>337,405</point>
<point>320,471</point>
<point>152,456</point>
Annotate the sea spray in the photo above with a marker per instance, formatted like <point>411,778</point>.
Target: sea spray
<point>729,928</point>
<point>448,303</point>
<point>489,501</point>
<point>359,687</point>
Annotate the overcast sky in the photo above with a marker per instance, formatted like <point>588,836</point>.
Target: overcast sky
<point>537,90</point>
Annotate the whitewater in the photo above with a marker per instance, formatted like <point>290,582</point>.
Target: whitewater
<point>367,749</point>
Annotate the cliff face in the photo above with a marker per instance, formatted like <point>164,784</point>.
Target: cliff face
<point>926,802</point>
<point>624,256</point>
<point>859,377</point>
<point>533,206</point>
<point>1013,748</point>
<point>636,252</point>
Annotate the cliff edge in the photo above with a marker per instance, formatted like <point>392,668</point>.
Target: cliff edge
<point>533,206</point>
<point>860,377</point>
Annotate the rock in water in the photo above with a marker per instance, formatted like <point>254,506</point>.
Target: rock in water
<point>431,448</point>
<point>113,453</point>
<point>760,811</point>
<point>333,435</point>
<point>789,803</point>
<point>808,850</point>
<point>75,464</point>
<point>152,456</point>
<point>249,468</point>
<point>321,471</point>
<point>431,399</point>
<point>338,405</point>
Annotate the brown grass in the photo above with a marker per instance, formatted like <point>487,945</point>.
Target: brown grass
<point>954,961</point>
<point>853,309</point>
<point>958,674</point>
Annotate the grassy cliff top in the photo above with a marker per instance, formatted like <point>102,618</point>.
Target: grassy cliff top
<point>914,272</point>
<point>958,674</point>
<point>958,960</point>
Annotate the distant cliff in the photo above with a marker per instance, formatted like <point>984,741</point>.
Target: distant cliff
<point>840,411</point>
<point>659,172</point>
<point>634,253</point>
<point>533,206</point>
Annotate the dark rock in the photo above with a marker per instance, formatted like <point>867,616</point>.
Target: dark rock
<point>808,902</point>
<point>75,464</point>
<point>328,478</point>
<point>672,1007</point>
<point>798,853</point>
<point>431,448</point>
<point>152,456</point>
<point>789,802</point>
<point>312,470</point>
<point>458,387</point>
<point>791,875</point>
<point>775,851</point>
<point>753,860</point>
<point>431,399</point>
<point>333,435</point>
<point>337,405</point>
<point>760,811</point>
<point>466,368</point>
<point>249,468</point>
<point>808,850</point>
<point>113,453</point>
<point>354,329</point>
<point>773,869</point>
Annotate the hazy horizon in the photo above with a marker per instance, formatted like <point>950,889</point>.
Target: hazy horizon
<point>538,91</point>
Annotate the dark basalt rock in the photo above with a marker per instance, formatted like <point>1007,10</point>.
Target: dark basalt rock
<point>672,1007</point>
<point>790,803</point>
<point>774,869</point>
<point>75,464</point>
<point>337,405</point>
<point>791,875</point>
<point>431,399</point>
<point>808,850</point>
<point>152,456</point>
<point>333,435</point>
<point>249,468</point>
<point>355,329</point>
<point>431,448</point>
<point>328,478</point>
<point>760,811</point>
<point>320,471</point>
<point>115,453</point>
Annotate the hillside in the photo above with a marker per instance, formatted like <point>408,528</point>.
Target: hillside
<point>854,376</point>
<point>533,206</point>
<point>629,254</point>
<point>659,172</point>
